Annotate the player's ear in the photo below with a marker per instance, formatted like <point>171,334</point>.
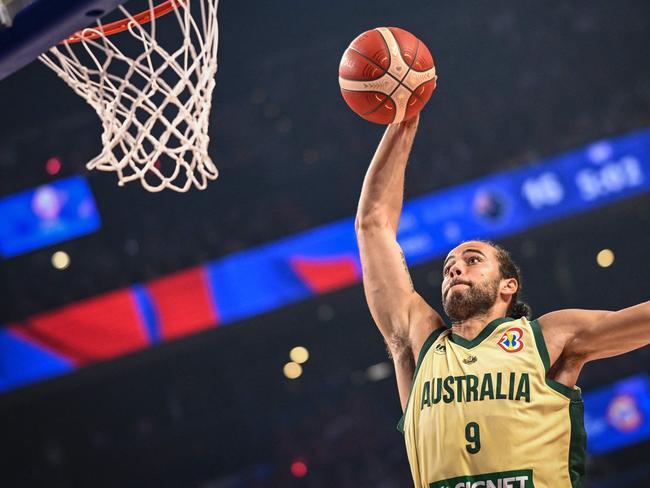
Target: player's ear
<point>509,286</point>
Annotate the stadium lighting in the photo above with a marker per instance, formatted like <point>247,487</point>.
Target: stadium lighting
<point>298,469</point>
<point>605,258</point>
<point>53,166</point>
<point>292,370</point>
<point>379,371</point>
<point>60,260</point>
<point>299,354</point>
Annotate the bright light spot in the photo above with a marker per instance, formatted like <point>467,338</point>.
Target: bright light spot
<point>379,371</point>
<point>600,152</point>
<point>299,354</point>
<point>298,469</point>
<point>60,260</point>
<point>292,370</point>
<point>53,166</point>
<point>605,258</point>
<point>47,203</point>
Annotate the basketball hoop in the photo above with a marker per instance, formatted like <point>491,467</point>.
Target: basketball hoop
<point>154,104</point>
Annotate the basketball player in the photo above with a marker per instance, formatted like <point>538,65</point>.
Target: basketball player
<point>491,401</point>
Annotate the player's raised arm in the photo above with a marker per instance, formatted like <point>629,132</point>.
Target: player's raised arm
<point>588,335</point>
<point>403,317</point>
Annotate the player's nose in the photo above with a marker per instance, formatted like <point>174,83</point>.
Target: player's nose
<point>455,270</point>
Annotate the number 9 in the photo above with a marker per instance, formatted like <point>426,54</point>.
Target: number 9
<point>473,436</point>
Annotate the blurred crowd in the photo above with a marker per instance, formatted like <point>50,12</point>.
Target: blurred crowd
<point>348,440</point>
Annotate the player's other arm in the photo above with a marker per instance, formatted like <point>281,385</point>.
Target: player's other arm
<point>588,335</point>
<point>403,317</point>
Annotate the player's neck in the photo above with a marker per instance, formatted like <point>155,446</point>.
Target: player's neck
<point>470,328</point>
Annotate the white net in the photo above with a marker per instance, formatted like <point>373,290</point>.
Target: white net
<point>153,101</point>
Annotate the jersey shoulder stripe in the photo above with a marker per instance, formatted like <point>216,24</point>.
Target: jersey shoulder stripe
<point>570,393</point>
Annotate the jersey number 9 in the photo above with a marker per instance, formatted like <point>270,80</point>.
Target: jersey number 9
<point>473,436</point>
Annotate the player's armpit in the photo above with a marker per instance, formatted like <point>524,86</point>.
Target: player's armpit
<point>597,334</point>
<point>402,315</point>
<point>406,343</point>
<point>404,369</point>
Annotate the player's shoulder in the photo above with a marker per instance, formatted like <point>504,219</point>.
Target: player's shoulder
<point>556,326</point>
<point>427,338</point>
<point>425,325</point>
<point>568,319</point>
<point>554,318</point>
<point>560,328</point>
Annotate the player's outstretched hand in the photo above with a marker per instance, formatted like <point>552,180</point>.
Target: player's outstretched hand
<point>400,135</point>
<point>410,124</point>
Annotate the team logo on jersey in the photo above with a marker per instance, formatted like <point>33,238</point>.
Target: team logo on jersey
<point>512,340</point>
<point>440,349</point>
<point>470,359</point>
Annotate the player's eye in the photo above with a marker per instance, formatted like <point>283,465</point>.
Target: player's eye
<point>473,260</point>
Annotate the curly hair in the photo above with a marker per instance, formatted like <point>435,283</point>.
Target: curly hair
<point>509,269</point>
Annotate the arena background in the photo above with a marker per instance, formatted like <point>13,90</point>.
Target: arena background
<point>519,82</point>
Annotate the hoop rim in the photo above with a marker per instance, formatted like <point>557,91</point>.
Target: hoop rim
<point>121,25</point>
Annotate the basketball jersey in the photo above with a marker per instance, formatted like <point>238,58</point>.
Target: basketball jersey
<point>482,413</point>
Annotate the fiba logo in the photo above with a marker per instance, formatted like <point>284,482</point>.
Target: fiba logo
<point>512,340</point>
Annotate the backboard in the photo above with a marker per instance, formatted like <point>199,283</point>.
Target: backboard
<point>153,98</point>
<point>30,27</point>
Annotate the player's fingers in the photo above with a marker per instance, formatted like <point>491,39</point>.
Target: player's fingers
<point>413,121</point>
<point>410,124</point>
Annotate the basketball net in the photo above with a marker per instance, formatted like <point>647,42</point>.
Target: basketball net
<point>154,105</point>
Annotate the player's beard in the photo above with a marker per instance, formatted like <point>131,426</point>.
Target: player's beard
<point>475,300</point>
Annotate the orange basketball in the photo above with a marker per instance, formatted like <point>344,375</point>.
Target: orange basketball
<point>387,75</point>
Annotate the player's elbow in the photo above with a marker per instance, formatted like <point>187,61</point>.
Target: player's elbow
<point>362,224</point>
<point>370,220</point>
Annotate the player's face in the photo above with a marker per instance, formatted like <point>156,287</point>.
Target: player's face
<point>471,280</point>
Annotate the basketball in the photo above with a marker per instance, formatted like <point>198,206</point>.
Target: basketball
<point>387,75</point>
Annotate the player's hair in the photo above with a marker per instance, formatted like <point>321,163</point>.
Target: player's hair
<point>509,269</point>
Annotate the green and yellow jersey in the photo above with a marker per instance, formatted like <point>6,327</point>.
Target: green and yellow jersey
<point>483,414</point>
